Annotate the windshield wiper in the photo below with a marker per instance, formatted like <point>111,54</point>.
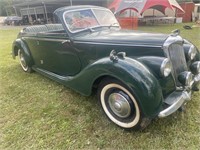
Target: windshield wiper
<point>90,29</point>
<point>115,24</point>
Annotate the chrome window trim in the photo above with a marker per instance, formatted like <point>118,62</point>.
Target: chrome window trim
<point>121,44</point>
<point>93,14</point>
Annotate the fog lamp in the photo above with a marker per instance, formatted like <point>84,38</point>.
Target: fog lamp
<point>186,78</point>
<point>195,67</point>
<point>192,52</point>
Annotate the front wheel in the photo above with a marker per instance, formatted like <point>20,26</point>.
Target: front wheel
<point>23,62</point>
<point>120,105</point>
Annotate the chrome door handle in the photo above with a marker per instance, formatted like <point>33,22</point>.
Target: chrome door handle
<point>65,41</point>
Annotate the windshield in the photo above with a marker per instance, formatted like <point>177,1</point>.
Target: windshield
<point>89,18</point>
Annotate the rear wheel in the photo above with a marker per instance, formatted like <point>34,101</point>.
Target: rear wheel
<point>23,62</point>
<point>120,105</point>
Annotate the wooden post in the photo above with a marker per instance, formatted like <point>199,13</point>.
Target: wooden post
<point>45,11</point>
<point>15,10</point>
<point>70,2</point>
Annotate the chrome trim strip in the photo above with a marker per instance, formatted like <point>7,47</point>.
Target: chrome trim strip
<point>47,39</point>
<point>122,44</point>
<point>178,102</point>
<point>52,40</point>
<point>94,43</point>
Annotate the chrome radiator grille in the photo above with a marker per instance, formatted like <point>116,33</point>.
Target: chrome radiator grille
<point>177,57</point>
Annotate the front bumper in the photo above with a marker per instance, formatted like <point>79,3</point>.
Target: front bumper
<point>177,99</point>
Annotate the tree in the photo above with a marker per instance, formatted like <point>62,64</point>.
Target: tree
<point>2,8</point>
<point>5,7</point>
<point>196,1</point>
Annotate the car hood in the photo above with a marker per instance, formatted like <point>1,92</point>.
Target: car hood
<point>123,37</point>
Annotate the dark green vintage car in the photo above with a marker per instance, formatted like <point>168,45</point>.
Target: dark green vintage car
<point>138,76</point>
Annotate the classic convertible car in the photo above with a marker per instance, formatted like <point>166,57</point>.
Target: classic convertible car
<point>138,76</point>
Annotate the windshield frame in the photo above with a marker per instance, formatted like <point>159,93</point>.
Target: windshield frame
<point>99,25</point>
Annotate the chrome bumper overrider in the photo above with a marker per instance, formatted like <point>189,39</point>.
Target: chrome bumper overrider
<point>177,99</point>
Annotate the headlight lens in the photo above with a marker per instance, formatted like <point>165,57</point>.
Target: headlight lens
<point>195,67</point>
<point>166,67</point>
<point>192,52</point>
<point>186,78</point>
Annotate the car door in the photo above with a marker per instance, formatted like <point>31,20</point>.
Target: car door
<point>57,54</point>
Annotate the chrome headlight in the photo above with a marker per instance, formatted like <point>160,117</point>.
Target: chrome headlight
<point>195,67</point>
<point>186,78</point>
<point>166,67</point>
<point>192,52</point>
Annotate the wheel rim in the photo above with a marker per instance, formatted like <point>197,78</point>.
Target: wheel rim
<point>125,112</point>
<point>119,105</point>
<point>22,61</point>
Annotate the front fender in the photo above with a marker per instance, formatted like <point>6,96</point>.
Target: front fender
<point>134,74</point>
<point>20,44</point>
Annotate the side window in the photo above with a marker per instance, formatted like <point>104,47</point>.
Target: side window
<point>56,20</point>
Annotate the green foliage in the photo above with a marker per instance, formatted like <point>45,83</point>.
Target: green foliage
<point>5,5</point>
<point>2,8</point>
<point>38,113</point>
<point>196,1</point>
<point>179,1</point>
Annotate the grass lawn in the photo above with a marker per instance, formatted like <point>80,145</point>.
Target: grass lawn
<point>38,113</point>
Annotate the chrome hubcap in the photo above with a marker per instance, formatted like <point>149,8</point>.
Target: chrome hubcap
<point>119,105</point>
<point>22,61</point>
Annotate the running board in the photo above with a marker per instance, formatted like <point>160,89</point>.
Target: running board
<point>52,75</point>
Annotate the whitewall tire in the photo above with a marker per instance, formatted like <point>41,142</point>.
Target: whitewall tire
<point>23,62</point>
<point>119,104</point>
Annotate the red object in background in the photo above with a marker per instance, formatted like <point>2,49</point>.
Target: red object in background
<point>188,8</point>
<point>118,6</point>
<point>128,22</point>
<point>141,5</point>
